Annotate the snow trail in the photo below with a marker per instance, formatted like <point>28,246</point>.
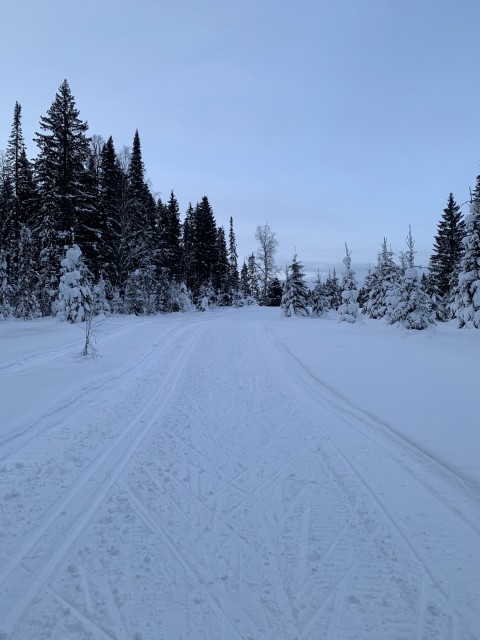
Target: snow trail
<point>229,494</point>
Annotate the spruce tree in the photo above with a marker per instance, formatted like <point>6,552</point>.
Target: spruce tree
<point>221,271</point>
<point>204,245</point>
<point>348,310</point>
<point>383,292</point>
<point>61,169</point>
<point>141,209</point>
<point>413,307</point>
<point>319,298</point>
<point>170,237</point>
<point>64,214</point>
<point>295,293</point>
<point>188,248</point>
<point>467,302</point>
<point>445,260</point>
<point>274,293</point>
<point>233,259</point>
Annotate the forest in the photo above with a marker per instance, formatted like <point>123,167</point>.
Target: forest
<point>82,234</point>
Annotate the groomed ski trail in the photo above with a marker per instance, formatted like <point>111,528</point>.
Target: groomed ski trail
<point>241,498</point>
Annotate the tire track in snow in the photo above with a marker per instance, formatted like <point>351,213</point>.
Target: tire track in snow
<point>80,502</point>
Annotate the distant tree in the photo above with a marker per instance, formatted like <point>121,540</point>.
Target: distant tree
<point>274,293</point>
<point>171,235</point>
<point>413,308</point>
<point>141,209</point>
<point>233,259</point>
<point>265,257</point>
<point>446,257</point>
<point>221,270</point>
<point>332,290</point>
<point>319,298</point>
<point>188,248</point>
<point>204,246</point>
<point>384,285</point>
<point>295,293</point>
<point>253,277</point>
<point>348,310</point>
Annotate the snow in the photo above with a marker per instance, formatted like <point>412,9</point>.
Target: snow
<point>236,474</point>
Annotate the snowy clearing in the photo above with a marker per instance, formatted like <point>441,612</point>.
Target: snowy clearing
<point>237,475</point>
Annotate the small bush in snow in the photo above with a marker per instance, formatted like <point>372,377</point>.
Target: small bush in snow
<point>74,296</point>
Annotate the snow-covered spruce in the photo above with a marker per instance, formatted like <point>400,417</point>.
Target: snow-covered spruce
<point>348,310</point>
<point>295,294</point>
<point>320,300</point>
<point>467,302</point>
<point>74,296</point>
<point>383,295</point>
<point>413,308</point>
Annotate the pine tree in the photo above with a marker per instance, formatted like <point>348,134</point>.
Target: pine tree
<point>348,310</point>
<point>295,293</point>
<point>467,302</point>
<point>413,307</point>
<point>445,260</point>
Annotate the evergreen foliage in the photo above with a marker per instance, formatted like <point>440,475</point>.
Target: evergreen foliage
<point>320,298</point>
<point>347,311</point>
<point>446,257</point>
<point>74,295</point>
<point>295,293</point>
<point>467,302</point>
<point>383,295</point>
<point>413,309</point>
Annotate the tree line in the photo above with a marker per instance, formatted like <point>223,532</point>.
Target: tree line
<point>402,293</point>
<point>81,231</point>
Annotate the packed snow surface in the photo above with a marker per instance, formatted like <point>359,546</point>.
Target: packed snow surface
<point>237,475</point>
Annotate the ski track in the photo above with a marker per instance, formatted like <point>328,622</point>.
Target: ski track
<point>237,498</point>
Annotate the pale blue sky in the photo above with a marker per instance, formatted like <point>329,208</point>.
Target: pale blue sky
<point>333,120</point>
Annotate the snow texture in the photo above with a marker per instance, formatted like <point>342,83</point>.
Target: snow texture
<point>238,475</point>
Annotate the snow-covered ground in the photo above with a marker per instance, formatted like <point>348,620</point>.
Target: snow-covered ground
<point>237,475</point>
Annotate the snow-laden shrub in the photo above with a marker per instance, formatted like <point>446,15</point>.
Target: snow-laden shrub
<point>74,294</point>
<point>348,310</point>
